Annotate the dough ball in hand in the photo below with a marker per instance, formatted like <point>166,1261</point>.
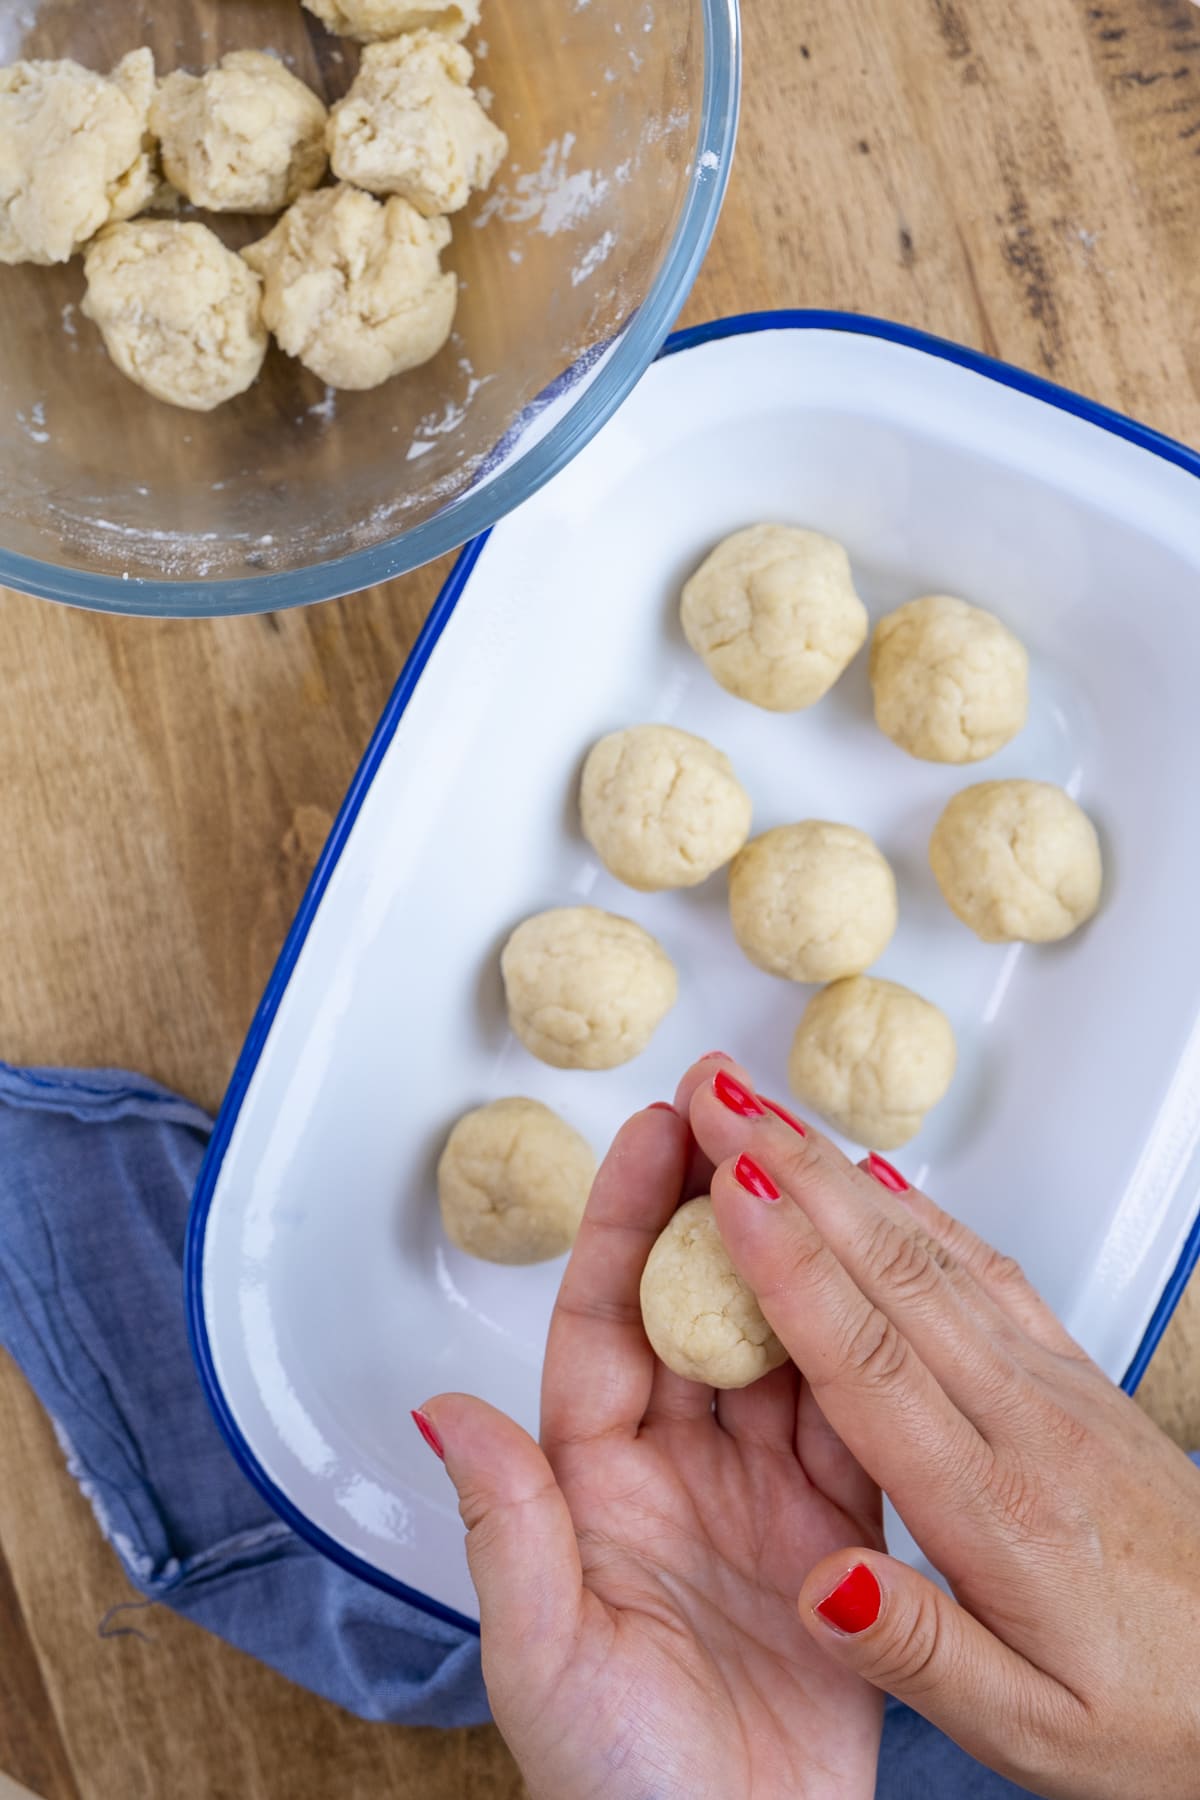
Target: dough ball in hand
<point>774,614</point>
<point>411,125</point>
<point>585,989</point>
<point>951,683</point>
<point>661,808</point>
<point>75,154</point>
<point>179,313</point>
<point>354,287</point>
<point>813,901</point>
<point>513,1181</point>
<point>872,1058</point>
<point>701,1318</point>
<point>1017,860</point>
<point>371,20</point>
<point>243,137</point>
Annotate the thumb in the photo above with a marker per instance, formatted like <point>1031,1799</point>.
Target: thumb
<point>521,1546</point>
<point>900,1632</point>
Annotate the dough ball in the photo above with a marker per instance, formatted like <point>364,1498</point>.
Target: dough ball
<point>371,20</point>
<point>513,1181</point>
<point>812,901</point>
<point>661,808</point>
<point>701,1318</point>
<point>75,154</point>
<point>951,682</point>
<point>179,313</point>
<point>774,614</point>
<point>411,125</point>
<point>585,989</point>
<point>872,1058</point>
<point>243,137</point>
<point>354,287</point>
<point>1017,860</point>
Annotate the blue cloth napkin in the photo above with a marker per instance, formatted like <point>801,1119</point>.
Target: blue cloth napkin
<point>96,1171</point>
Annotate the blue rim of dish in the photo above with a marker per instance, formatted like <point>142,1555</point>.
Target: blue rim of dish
<point>638,342</point>
<point>1061,398</point>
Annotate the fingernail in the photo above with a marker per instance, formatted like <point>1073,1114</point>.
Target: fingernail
<point>781,1112</point>
<point>885,1175</point>
<point>854,1603</point>
<point>426,1428</point>
<point>736,1096</point>
<point>756,1181</point>
<point>661,1106</point>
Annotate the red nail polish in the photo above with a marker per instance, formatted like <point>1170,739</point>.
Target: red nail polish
<point>885,1175</point>
<point>781,1112</point>
<point>661,1106</point>
<point>736,1096</point>
<point>854,1603</point>
<point>426,1428</point>
<point>756,1181</point>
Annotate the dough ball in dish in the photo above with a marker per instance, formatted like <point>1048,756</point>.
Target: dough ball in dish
<point>1017,860</point>
<point>872,1058</point>
<point>951,683</point>
<point>179,313</point>
<point>411,125</point>
<point>75,154</point>
<point>774,614</point>
<point>354,287</point>
<point>661,808</point>
<point>813,901</point>
<point>243,137</point>
<point>371,20</point>
<point>513,1181</point>
<point>585,989</point>
<point>701,1318</point>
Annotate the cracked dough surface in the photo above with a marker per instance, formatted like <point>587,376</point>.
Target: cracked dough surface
<point>813,901</point>
<point>354,287</point>
<point>371,20</point>
<point>513,1181</point>
<point>872,1058</point>
<point>246,136</point>
<point>951,683</point>
<point>179,313</point>
<point>75,154</point>
<point>662,808</point>
<point>1017,860</point>
<point>701,1318</point>
<point>774,614</point>
<point>586,989</point>
<point>411,125</point>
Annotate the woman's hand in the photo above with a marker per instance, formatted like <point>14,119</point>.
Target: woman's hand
<point>1067,1525</point>
<point>637,1576</point>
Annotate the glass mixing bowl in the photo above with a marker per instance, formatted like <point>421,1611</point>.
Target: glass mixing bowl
<point>621,116</point>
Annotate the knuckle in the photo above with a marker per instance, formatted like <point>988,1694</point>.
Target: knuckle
<point>912,1656</point>
<point>1002,1271</point>
<point>801,1160</point>
<point>873,1354</point>
<point>899,1261</point>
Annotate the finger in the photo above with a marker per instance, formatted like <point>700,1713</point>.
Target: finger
<point>898,1631</point>
<point>765,1412</point>
<point>892,1260</point>
<point>521,1544</point>
<point>676,1400</point>
<point>833,1469</point>
<point>599,1365</point>
<point>699,1173</point>
<point>999,1276</point>
<point>871,1384</point>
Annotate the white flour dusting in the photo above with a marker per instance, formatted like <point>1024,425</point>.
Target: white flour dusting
<point>600,251</point>
<point>552,198</point>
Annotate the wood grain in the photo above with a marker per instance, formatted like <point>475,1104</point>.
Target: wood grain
<point>1022,175</point>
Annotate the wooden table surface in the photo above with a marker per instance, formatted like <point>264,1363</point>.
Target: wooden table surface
<point>1022,175</point>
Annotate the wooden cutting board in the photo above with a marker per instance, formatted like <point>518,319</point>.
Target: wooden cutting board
<point>1023,175</point>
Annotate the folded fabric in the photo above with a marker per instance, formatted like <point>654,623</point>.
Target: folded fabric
<point>96,1171</point>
